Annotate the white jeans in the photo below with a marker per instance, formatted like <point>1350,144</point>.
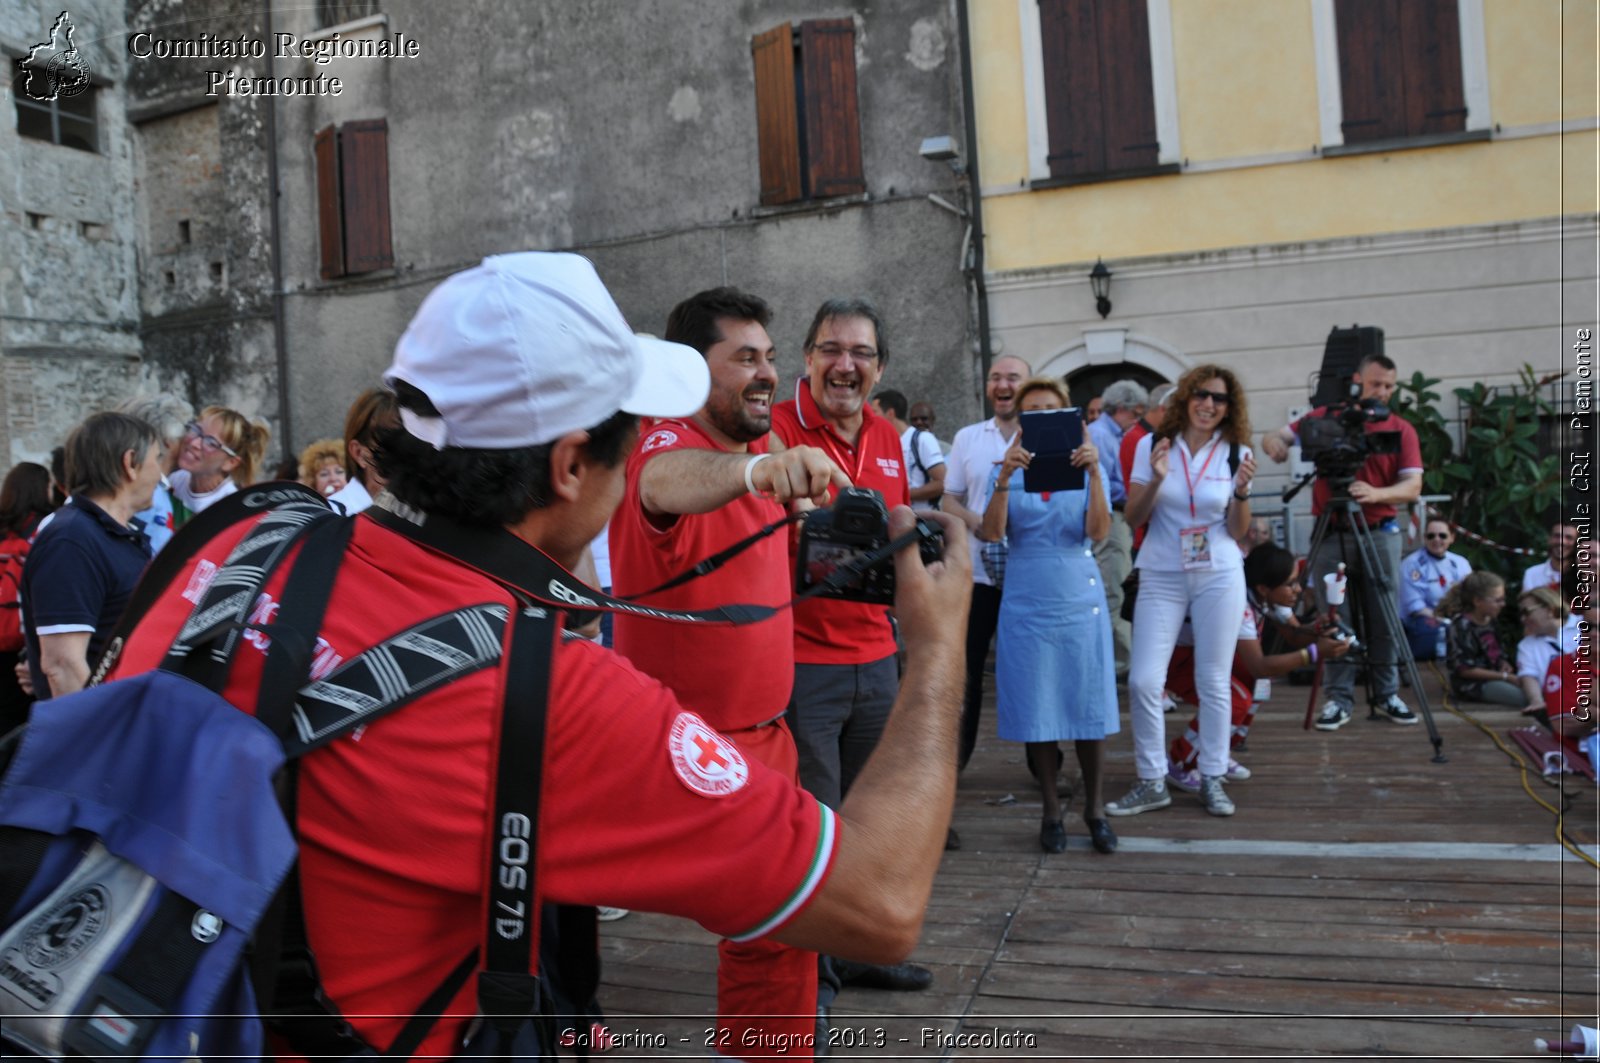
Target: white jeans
<point>1214,602</point>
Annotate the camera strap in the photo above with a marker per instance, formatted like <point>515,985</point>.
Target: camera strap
<point>517,563</point>
<point>720,558</point>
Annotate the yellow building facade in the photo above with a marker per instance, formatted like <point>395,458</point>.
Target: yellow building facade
<point>1269,206</point>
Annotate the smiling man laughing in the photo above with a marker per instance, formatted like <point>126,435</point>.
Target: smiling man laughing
<point>845,677</point>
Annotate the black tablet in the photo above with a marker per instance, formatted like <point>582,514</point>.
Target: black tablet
<point>1051,436</point>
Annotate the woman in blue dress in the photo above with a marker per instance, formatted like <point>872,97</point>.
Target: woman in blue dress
<point>1055,676</point>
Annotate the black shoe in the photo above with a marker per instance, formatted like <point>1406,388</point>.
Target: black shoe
<point>952,840</point>
<point>1101,835</point>
<point>1052,836</point>
<point>819,1045</point>
<point>900,976</point>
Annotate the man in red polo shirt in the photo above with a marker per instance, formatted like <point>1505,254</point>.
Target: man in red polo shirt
<point>845,676</point>
<point>1383,482</point>
<point>697,485</point>
<point>517,384</point>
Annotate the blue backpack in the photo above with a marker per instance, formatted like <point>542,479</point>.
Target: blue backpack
<point>148,904</point>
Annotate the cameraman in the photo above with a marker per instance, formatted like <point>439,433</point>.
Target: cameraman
<point>1383,482</point>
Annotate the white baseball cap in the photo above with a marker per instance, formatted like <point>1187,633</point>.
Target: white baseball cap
<point>524,348</point>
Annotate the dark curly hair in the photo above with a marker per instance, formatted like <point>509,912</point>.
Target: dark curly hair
<point>1235,426</point>
<point>484,488</point>
<point>695,320</point>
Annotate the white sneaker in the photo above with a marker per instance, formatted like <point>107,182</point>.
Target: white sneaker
<point>1214,797</point>
<point>609,915</point>
<point>1236,772</point>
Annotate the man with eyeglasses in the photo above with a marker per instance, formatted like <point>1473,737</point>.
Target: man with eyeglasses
<point>1384,482</point>
<point>1424,577</point>
<point>845,678</point>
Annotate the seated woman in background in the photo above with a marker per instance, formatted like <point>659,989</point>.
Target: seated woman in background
<point>1544,638</point>
<point>220,453</point>
<point>1055,675</point>
<point>322,466</point>
<point>1480,669</point>
<point>1272,589</point>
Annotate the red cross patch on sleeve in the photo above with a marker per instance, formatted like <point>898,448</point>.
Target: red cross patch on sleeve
<point>706,762</point>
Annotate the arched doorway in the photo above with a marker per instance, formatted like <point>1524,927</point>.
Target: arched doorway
<point>1103,356</point>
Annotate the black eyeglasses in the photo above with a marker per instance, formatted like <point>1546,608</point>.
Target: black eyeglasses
<point>211,443</point>
<point>1437,535</point>
<point>1220,398</point>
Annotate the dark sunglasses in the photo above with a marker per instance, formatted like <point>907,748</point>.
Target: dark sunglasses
<point>1437,535</point>
<point>1218,397</point>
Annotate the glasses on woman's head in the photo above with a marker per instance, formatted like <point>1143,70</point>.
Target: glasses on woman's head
<point>211,443</point>
<point>1219,398</point>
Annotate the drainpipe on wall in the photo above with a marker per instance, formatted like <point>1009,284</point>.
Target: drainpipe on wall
<point>280,344</point>
<point>974,186</point>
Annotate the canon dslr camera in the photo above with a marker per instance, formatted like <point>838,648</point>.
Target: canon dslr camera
<point>841,535</point>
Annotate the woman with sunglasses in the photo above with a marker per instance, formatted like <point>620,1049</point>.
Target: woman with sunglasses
<point>1197,503</point>
<point>1425,575</point>
<point>219,453</point>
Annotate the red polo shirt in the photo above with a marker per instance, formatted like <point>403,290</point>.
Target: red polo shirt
<point>1130,444</point>
<point>1379,470</point>
<point>829,630</point>
<point>643,806</point>
<point>734,677</point>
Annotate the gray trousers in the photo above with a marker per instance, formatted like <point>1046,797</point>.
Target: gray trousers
<point>1339,676</point>
<point>837,713</point>
<point>1114,555</point>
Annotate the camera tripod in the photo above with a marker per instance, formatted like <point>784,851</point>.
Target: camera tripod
<point>1359,569</point>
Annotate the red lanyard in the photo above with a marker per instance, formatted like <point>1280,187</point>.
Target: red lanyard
<point>1183,456</point>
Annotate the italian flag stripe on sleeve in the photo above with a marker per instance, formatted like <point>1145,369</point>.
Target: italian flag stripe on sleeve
<point>820,860</point>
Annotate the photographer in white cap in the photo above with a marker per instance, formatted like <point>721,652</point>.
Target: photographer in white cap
<point>518,384</point>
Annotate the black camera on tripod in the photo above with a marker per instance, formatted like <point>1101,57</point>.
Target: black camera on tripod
<point>1338,441</point>
<point>844,537</point>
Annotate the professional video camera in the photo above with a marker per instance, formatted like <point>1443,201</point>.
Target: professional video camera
<point>1337,441</point>
<point>843,536</point>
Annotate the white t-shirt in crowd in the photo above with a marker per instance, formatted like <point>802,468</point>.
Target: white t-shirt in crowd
<point>1541,575</point>
<point>928,451</point>
<point>196,503</point>
<point>977,449</point>
<point>1212,491</point>
<point>1535,652</point>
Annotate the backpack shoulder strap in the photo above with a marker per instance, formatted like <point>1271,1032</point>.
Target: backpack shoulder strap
<point>185,543</point>
<point>916,450</point>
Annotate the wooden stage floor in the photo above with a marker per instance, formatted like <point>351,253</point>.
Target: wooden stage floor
<point>1364,902</point>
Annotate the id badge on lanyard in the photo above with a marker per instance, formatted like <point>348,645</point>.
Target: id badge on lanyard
<point>1194,542</point>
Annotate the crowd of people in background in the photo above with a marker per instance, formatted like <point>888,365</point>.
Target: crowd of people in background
<point>1154,574</point>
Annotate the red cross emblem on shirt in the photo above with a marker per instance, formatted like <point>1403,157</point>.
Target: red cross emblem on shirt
<point>704,761</point>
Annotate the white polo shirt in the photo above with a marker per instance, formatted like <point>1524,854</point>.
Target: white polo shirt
<point>969,467</point>
<point>1212,483</point>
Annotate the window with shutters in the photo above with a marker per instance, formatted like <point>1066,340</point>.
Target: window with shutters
<point>1399,69</point>
<point>353,197</point>
<point>1100,102</point>
<point>808,128</point>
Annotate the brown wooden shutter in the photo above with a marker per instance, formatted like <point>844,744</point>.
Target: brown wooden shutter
<point>1436,99</point>
<point>1070,46</point>
<point>364,187</point>
<point>1371,69</point>
<point>1127,92</point>
<point>832,120</point>
<point>777,124</point>
<point>329,219</point>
